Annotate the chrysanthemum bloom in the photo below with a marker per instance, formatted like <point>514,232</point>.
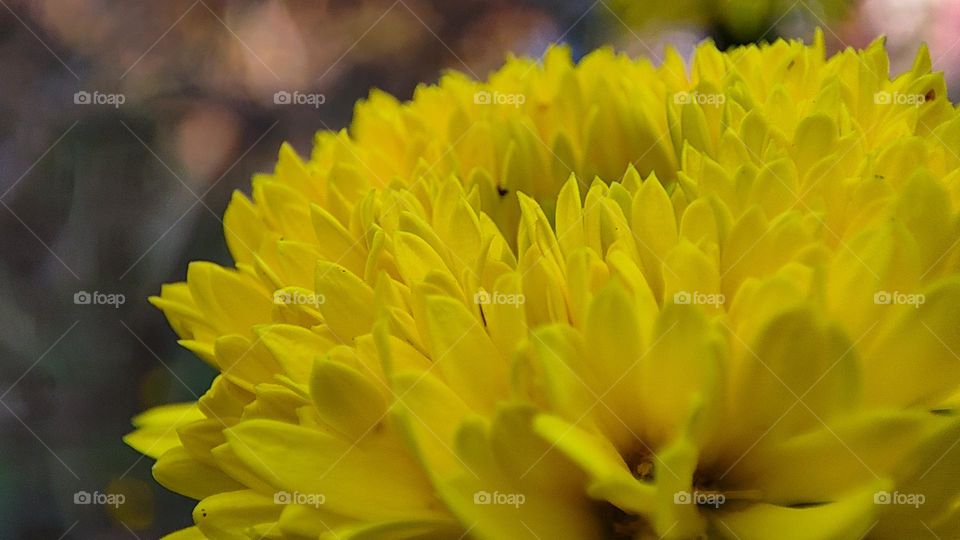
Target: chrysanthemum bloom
<point>602,300</point>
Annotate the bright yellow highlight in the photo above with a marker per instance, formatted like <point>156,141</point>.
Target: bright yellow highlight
<point>602,300</point>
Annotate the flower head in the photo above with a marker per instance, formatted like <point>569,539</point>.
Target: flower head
<point>591,300</point>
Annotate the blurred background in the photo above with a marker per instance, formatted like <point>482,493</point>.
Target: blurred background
<point>124,127</point>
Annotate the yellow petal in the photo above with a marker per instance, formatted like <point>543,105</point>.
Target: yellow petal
<point>608,474</point>
<point>833,460</point>
<point>294,348</point>
<point>396,530</point>
<point>157,428</point>
<point>464,354</point>
<point>348,306</point>
<point>178,471</point>
<point>231,514</point>
<point>927,335</point>
<point>371,479</point>
<point>849,517</point>
<point>346,399</point>
<point>801,371</point>
<point>681,370</point>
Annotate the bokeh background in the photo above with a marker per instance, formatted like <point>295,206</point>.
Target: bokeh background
<point>115,190</point>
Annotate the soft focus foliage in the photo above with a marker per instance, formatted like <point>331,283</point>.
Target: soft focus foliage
<point>740,20</point>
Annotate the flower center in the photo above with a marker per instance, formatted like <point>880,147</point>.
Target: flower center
<point>621,525</point>
<point>641,464</point>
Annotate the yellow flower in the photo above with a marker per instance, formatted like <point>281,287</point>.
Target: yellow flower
<point>593,300</point>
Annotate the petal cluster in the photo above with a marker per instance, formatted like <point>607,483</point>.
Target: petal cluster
<point>602,299</point>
